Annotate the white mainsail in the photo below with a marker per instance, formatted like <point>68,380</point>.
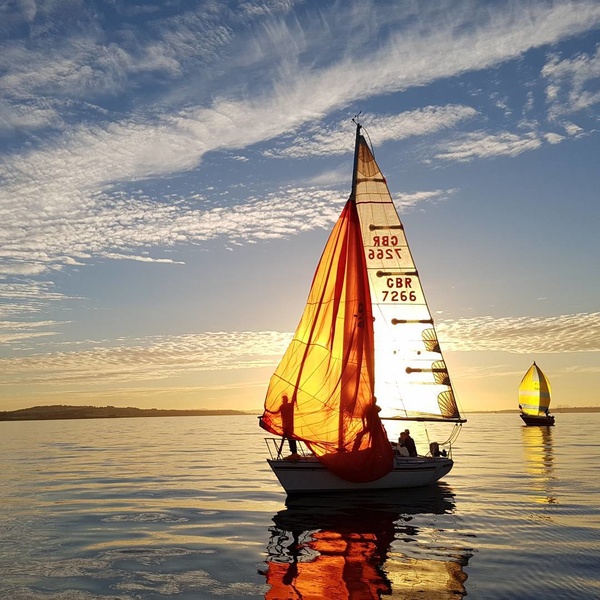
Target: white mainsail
<point>411,378</point>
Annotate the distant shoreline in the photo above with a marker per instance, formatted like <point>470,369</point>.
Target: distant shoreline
<point>60,412</point>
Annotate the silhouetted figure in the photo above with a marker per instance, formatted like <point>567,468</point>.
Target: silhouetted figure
<point>434,448</point>
<point>409,443</point>
<point>287,421</point>
<point>401,447</point>
<point>369,421</point>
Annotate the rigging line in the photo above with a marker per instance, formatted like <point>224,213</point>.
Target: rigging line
<point>370,143</point>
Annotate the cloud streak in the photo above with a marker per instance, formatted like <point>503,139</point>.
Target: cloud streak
<point>523,335</point>
<point>160,358</point>
<point>61,188</point>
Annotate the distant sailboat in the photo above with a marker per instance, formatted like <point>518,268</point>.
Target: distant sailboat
<point>365,350</point>
<point>534,398</point>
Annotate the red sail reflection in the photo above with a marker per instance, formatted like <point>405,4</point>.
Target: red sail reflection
<point>347,566</point>
<point>360,550</point>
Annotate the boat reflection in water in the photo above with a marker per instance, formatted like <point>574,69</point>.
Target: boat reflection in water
<point>539,462</point>
<point>361,546</point>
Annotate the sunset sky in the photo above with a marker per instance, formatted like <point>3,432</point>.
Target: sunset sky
<point>170,171</point>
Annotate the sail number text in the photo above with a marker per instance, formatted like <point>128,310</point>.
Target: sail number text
<point>382,253</point>
<point>384,248</point>
<point>399,290</point>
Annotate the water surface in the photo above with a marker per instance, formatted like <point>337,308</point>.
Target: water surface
<point>186,507</point>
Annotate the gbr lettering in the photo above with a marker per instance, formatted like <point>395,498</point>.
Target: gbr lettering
<point>399,290</point>
<point>384,248</point>
<point>385,240</point>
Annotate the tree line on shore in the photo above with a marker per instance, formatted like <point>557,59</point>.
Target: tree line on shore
<point>104,412</point>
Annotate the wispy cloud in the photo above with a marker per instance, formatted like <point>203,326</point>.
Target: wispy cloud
<point>149,359</point>
<point>572,84</point>
<point>333,140</point>
<point>483,145</point>
<point>73,127</point>
<point>154,359</point>
<point>408,201</point>
<point>523,335</point>
<point>68,172</point>
<point>72,235</point>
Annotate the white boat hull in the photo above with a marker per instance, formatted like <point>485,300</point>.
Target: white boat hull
<point>309,475</point>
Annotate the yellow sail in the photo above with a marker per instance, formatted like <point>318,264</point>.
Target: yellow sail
<point>534,392</point>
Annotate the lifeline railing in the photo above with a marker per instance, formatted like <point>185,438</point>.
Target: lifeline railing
<point>278,449</point>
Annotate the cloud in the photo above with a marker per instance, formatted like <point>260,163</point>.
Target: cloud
<point>149,259</point>
<point>409,200</point>
<point>479,144</point>
<point>128,149</point>
<point>88,158</point>
<point>149,359</point>
<point>334,139</point>
<point>523,335</point>
<point>54,239</point>
<point>26,293</point>
<point>47,237</point>
<point>572,84</point>
<point>170,358</point>
<point>155,97</point>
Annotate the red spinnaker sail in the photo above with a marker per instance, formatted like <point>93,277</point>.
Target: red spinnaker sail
<point>322,391</point>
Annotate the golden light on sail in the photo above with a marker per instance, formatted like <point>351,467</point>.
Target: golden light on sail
<point>534,392</point>
<point>322,391</point>
<point>410,374</point>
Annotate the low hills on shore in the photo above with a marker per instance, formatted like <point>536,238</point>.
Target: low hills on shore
<point>60,411</point>
<point>38,413</point>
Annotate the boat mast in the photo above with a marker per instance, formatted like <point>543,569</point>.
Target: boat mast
<point>353,200</point>
<point>355,167</point>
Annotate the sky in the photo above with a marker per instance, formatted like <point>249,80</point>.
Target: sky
<point>170,172</point>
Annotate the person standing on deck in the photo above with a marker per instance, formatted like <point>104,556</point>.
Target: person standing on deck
<point>287,420</point>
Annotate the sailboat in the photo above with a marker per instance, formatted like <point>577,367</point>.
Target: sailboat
<point>534,397</point>
<point>365,351</point>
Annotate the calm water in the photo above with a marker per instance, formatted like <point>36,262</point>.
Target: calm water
<point>187,508</point>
